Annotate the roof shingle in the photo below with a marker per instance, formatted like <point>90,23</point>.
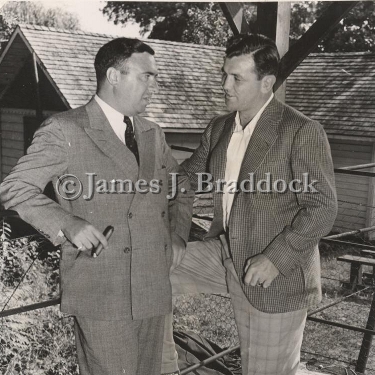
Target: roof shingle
<point>338,90</point>
<point>189,75</point>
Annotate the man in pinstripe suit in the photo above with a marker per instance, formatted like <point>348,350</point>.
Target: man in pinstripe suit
<point>262,245</point>
<point>118,299</point>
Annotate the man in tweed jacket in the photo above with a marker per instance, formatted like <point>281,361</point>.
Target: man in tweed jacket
<point>118,299</point>
<point>263,242</point>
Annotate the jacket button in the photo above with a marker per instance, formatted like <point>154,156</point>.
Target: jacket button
<point>130,215</point>
<point>165,247</point>
<point>163,214</point>
<point>161,183</point>
<point>127,250</point>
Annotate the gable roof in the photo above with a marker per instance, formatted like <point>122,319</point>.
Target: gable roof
<point>337,89</point>
<point>189,76</point>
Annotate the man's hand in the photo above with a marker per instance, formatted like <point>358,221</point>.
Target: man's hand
<point>82,234</point>
<point>260,271</point>
<point>178,250</point>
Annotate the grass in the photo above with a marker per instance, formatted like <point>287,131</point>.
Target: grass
<point>40,342</point>
<point>332,341</point>
<point>208,315</point>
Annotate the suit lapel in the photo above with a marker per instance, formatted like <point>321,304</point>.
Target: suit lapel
<point>219,153</point>
<point>145,136</point>
<point>262,139</point>
<point>101,132</point>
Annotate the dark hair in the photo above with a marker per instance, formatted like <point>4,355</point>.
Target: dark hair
<point>114,54</point>
<point>262,49</point>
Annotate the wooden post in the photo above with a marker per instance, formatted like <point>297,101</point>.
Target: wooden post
<point>1,147</point>
<point>367,340</point>
<point>39,112</point>
<point>267,19</point>
<point>282,39</point>
<point>273,20</point>
<point>371,199</point>
<point>355,275</point>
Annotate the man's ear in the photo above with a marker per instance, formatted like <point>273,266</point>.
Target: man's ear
<point>113,76</point>
<point>267,83</point>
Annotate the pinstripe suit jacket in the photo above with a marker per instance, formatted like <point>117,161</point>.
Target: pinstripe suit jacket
<point>118,284</point>
<point>285,227</point>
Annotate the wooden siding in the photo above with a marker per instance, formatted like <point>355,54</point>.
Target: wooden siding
<point>352,191</point>
<point>12,144</point>
<point>12,141</point>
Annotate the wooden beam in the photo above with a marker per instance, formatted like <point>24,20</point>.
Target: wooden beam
<point>364,352</point>
<point>234,14</point>
<point>283,27</point>
<point>1,146</point>
<point>306,44</point>
<point>282,38</point>
<point>371,200</point>
<point>39,111</point>
<point>34,306</point>
<point>266,19</point>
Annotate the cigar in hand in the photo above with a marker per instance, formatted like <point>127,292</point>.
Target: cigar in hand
<point>107,234</point>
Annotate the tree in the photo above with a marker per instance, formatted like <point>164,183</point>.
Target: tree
<point>356,32</point>
<point>204,23</point>
<point>167,20</point>
<point>200,23</point>
<point>209,26</point>
<point>206,26</point>
<point>15,12</point>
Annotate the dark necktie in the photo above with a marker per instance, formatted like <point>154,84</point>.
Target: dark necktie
<point>130,141</point>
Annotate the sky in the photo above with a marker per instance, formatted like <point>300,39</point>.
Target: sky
<point>90,17</point>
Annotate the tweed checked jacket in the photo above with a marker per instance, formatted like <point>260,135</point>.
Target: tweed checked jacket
<point>131,277</point>
<point>285,227</point>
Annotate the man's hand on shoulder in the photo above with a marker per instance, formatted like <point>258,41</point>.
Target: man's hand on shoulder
<point>260,271</point>
<point>82,234</point>
<point>178,250</point>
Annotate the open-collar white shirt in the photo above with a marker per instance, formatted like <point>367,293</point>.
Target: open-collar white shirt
<point>235,153</point>
<point>115,118</point>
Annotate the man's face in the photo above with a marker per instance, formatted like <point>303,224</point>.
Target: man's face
<point>243,90</point>
<point>137,84</point>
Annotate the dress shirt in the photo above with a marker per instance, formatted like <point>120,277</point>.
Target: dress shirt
<point>235,154</point>
<point>115,118</point>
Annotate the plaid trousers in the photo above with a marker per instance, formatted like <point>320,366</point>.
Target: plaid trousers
<point>270,343</point>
